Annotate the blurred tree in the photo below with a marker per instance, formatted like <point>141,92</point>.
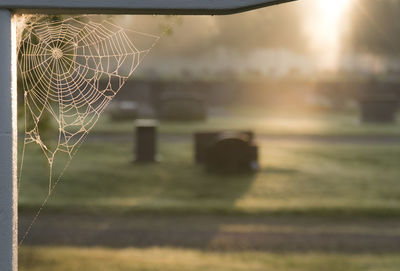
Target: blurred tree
<point>374,27</point>
<point>276,27</point>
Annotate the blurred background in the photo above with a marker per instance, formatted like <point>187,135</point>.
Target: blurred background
<point>268,140</point>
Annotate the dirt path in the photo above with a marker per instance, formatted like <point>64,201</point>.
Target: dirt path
<point>282,233</point>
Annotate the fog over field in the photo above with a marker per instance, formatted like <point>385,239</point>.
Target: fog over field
<point>301,38</point>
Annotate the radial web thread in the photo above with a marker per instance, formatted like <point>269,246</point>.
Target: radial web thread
<point>70,70</point>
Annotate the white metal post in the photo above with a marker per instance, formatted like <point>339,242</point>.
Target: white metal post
<point>8,144</point>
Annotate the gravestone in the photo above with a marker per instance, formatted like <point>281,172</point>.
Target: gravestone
<point>227,152</point>
<point>182,106</point>
<point>146,141</point>
<point>202,141</point>
<point>123,110</point>
<point>378,108</point>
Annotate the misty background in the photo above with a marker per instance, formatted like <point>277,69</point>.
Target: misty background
<point>304,38</point>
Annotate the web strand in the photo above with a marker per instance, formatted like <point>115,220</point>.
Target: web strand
<point>71,70</point>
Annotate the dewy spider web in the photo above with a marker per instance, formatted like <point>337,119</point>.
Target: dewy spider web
<point>70,71</point>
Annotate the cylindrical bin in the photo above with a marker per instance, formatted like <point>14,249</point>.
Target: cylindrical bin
<point>146,141</point>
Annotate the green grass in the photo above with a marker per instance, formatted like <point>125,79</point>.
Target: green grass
<point>294,178</point>
<point>267,122</point>
<point>318,180</point>
<point>170,259</point>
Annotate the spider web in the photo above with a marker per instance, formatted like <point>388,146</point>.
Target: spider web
<point>70,70</point>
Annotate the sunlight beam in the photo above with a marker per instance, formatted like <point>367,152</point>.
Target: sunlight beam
<point>326,30</point>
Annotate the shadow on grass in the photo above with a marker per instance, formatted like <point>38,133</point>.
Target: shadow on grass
<point>169,203</point>
<point>218,232</point>
<point>102,179</point>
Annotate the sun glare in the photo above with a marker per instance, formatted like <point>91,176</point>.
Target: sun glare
<point>326,29</point>
<point>332,10</point>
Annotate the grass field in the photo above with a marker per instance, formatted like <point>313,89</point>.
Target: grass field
<point>171,259</point>
<point>264,121</point>
<point>303,190</point>
<point>294,178</point>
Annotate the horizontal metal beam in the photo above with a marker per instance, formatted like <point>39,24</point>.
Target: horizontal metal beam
<point>182,7</point>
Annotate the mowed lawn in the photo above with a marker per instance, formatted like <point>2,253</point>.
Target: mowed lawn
<point>264,121</point>
<point>298,178</point>
<point>172,259</point>
<point>294,178</point>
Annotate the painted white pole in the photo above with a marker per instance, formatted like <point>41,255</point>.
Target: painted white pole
<point>8,144</point>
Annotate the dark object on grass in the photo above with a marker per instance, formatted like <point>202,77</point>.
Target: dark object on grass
<point>182,106</point>
<point>227,152</point>
<point>202,141</point>
<point>378,108</point>
<point>124,110</point>
<point>146,141</point>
